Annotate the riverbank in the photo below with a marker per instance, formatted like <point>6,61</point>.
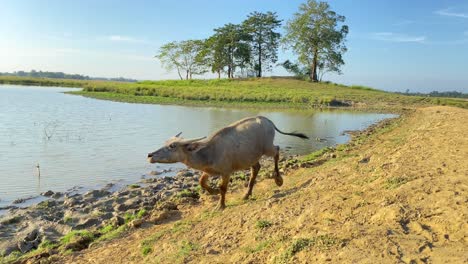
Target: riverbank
<point>108,212</point>
<point>396,193</point>
<point>256,93</point>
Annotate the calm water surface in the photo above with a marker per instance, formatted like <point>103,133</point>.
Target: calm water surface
<point>78,141</point>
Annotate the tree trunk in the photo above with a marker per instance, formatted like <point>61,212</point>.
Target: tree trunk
<point>219,74</point>
<point>178,72</point>
<point>313,67</point>
<point>186,74</point>
<point>259,73</point>
<point>229,71</point>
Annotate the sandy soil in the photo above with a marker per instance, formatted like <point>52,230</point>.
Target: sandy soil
<point>399,196</point>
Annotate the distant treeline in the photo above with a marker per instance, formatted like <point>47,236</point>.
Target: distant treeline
<point>62,75</point>
<point>452,94</point>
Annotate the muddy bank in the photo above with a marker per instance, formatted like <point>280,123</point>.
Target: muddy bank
<point>23,229</point>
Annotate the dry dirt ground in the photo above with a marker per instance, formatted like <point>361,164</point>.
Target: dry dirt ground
<point>399,196</point>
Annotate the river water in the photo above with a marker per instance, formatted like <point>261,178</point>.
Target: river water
<point>76,141</point>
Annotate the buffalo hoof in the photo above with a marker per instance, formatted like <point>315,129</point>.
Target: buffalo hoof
<point>212,191</point>
<point>219,208</point>
<point>279,181</point>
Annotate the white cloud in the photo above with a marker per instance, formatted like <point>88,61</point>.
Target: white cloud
<point>448,12</point>
<point>128,39</point>
<point>396,37</point>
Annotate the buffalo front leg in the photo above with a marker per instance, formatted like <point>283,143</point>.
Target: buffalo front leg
<point>253,175</point>
<point>278,178</point>
<point>223,189</point>
<point>204,184</point>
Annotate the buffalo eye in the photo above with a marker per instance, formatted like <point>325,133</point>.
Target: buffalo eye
<point>172,146</point>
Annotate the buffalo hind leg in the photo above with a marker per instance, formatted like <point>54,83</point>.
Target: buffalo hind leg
<point>204,184</point>
<point>276,174</point>
<point>223,189</point>
<point>253,175</point>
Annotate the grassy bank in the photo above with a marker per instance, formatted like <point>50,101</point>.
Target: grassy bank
<point>265,93</point>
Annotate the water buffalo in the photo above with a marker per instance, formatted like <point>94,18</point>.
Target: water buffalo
<point>238,146</point>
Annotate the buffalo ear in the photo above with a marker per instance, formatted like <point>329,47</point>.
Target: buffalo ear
<point>193,147</point>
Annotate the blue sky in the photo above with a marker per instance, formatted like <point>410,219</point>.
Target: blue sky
<point>393,45</point>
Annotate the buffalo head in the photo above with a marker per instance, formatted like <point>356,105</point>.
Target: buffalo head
<point>174,150</point>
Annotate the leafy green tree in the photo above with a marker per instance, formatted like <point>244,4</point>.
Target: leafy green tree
<point>184,56</point>
<point>314,34</point>
<point>264,39</point>
<point>214,55</point>
<point>231,48</point>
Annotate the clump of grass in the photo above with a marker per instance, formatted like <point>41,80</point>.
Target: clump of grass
<point>261,246</point>
<point>47,244</point>
<point>146,250</point>
<point>323,242</point>
<point>68,219</point>
<point>106,229</point>
<point>12,220</point>
<point>147,244</point>
<point>128,217</point>
<point>394,182</point>
<point>134,186</point>
<point>262,224</point>
<point>188,193</point>
<point>73,236</point>
<point>114,233</point>
<point>186,248</point>
<point>141,213</point>
<point>181,226</point>
<point>11,258</point>
<point>316,154</point>
<point>358,193</point>
<point>209,214</point>
<point>45,204</point>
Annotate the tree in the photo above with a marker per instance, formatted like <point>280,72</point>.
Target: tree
<point>264,40</point>
<point>231,48</point>
<point>214,55</point>
<point>314,34</point>
<point>183,56</point>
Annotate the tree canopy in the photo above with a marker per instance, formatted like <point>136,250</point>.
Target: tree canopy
<point>183,56</point>
<point>315,36</point>
<point>264,40</point>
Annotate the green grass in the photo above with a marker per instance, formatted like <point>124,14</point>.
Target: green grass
<point>253,92</point>
<point>316,154</point>
<point>259,247</point>
<point>186,247</point>
<point>188,193</point>
<point>112,233</point>
<point>148,243</point>
<point>322,242</point>
<point>262,224</point>
<point>394,182</point>
<point>74,235</point>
